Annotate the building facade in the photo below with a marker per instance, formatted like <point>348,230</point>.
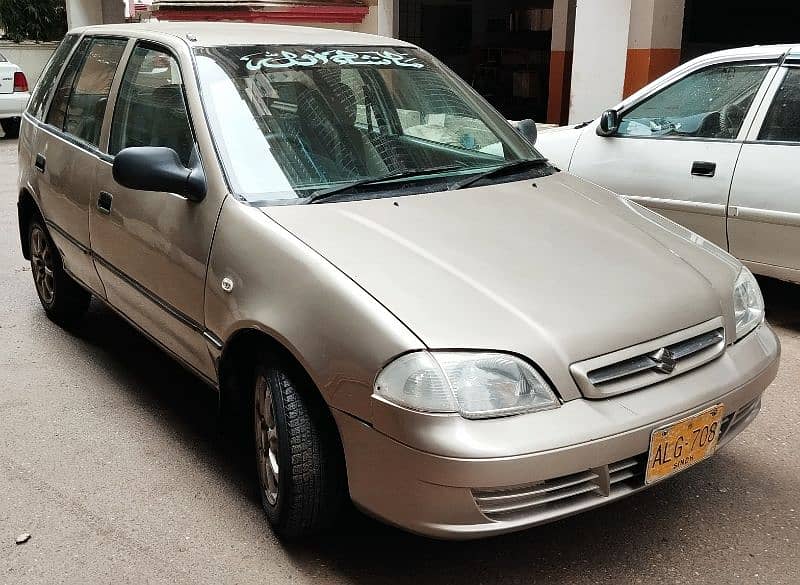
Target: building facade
<point>557,61</point>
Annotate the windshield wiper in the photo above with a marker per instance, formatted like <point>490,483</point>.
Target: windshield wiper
<point>326,194</point>
<point>506,169</point>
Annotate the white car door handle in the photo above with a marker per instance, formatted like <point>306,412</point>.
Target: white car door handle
<point>704,168</point>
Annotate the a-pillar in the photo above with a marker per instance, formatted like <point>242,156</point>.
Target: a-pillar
<point>654,42</point>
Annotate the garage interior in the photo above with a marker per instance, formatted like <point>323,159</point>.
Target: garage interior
<point>501,48</point>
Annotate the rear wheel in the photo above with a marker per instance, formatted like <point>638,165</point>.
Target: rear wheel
<point>64,300</point>
<point>298,455</point>
<point>10,127</point>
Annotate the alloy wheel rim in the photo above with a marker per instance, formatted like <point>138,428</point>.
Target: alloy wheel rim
<point>42,266</point>
<point>267,440</point>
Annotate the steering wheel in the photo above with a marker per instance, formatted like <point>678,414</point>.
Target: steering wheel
<point>731,117</point>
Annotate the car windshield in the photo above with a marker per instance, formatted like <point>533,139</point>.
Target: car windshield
<point>2,58</point>
<point>294,121</point>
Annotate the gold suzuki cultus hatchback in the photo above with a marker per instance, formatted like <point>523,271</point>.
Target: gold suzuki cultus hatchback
<point>413,307</point>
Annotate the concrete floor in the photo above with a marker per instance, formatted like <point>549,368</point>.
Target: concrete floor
<point>112,458</point>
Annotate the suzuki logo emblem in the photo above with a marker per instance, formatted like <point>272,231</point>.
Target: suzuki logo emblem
<point>665,361</point>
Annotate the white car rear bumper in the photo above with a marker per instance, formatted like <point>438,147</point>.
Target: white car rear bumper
<point>13,104</point>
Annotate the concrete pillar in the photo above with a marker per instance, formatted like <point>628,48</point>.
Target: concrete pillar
<point>113,11</point>
<point>90,12</point>
<point>561,47</point>
<point>84,13</point>
<point>388,18</point>
<point>599,57</point>
<point>654,42</point>
<point>383,19</point>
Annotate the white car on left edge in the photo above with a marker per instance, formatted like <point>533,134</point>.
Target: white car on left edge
<point>14,96</point>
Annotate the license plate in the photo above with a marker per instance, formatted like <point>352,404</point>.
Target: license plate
<point>675,447</point>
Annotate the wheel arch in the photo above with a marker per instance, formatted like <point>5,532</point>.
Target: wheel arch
<point>240,355</point>
<point>27,209</point>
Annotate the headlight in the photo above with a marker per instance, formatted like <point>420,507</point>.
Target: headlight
<point>476,385</point>
<point>748,304</point>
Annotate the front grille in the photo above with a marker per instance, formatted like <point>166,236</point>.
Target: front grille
<point>556,497</point>
<point>651,362</point>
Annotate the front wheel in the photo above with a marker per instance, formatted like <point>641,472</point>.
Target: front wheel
<point>298,454</point>
<point>63,299</point>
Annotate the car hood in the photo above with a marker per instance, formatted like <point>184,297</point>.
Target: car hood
<point>555,270</point>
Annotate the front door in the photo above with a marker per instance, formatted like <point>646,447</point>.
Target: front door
<point>676,149</point>
<point>151,249</point>
<point>764,219</point>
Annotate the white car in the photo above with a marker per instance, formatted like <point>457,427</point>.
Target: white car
<point>713,145</point>
<point>13,96</point>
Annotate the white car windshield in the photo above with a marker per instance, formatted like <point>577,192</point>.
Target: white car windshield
<point>290,121</point>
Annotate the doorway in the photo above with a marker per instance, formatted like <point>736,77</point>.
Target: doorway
<point>501,48</point>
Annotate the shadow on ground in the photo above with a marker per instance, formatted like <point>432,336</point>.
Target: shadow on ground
<point>782,300</point>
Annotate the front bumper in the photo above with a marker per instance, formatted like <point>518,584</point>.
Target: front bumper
<point>12,105</point>
<point>420,476</point>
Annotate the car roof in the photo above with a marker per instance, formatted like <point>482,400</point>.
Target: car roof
<point>210,34</point>
<point>754,51</point>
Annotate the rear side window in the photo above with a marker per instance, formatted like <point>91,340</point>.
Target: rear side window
<point>89,97</point>
<point>783,118</point>
<point>47,82</point>
<point>58,107</point>
<point>79,103</point>
<point>150,109</point>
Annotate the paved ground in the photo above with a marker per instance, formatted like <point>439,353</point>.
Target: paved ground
<point>111,457</point>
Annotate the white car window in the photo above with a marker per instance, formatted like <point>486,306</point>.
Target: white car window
<point>783,118</point>
<point>710,103</point>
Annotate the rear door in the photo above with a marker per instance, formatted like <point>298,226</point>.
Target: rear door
<point>67,151</point>
<point>676,149</point>
<point>764,215</point>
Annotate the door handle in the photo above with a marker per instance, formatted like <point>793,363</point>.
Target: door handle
<point>39,163</point>
<point>104,201</point>
<point>704,168</point>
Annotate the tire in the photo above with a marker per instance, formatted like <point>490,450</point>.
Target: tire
<point>301,473</point>
<point>11,127</point>
<point>63,299</point>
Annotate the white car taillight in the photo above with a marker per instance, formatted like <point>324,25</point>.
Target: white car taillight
<point>20,81</point>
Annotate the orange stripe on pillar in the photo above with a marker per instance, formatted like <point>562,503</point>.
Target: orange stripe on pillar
<point>645,65</point>
<point>560,77</point>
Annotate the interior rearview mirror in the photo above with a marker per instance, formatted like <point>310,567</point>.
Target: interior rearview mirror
<point>609,123</point>
<point>158,168</point>
<point>527,128</point>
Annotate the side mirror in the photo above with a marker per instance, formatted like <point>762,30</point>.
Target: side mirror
<point>609,123</point>
<point>527,128</point>
<point>157,168</point>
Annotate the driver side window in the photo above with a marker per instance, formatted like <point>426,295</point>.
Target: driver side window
<point>710,103</point>
<point>150,109</point>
